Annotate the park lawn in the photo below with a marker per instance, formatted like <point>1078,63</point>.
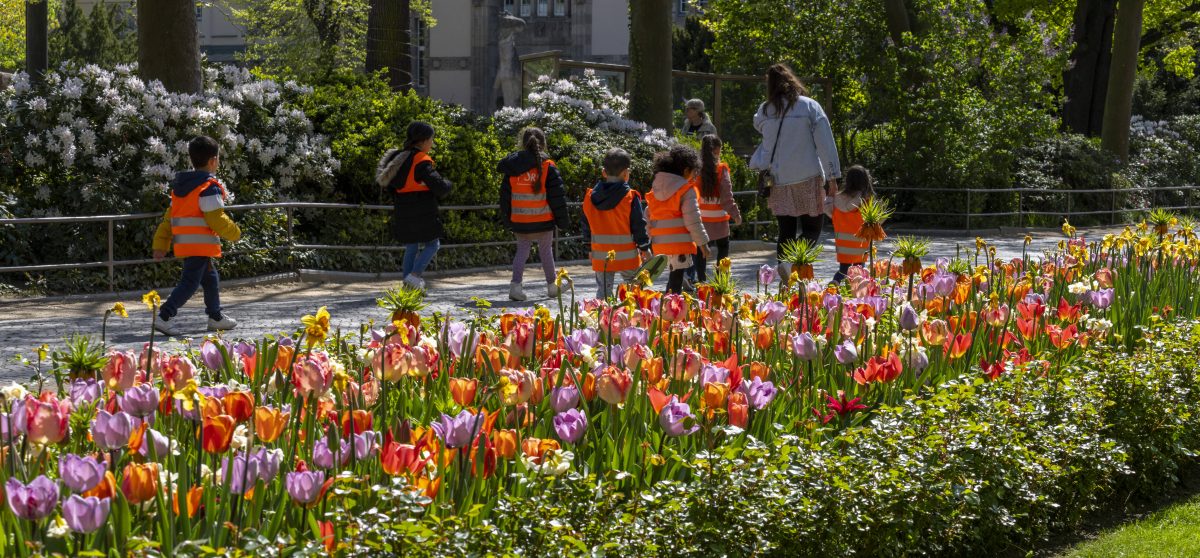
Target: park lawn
<point>1172,532</point>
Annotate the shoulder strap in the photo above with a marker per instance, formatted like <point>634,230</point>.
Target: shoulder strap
<point>778,132</point>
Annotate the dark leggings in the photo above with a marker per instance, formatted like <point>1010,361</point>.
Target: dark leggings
<point>675,281</point>
<point>805,226</point>
<point>700,263</point>
<point>841,272</point>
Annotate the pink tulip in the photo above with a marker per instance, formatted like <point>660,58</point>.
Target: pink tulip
<point>176,371</point>
<point>312,373</point>
<point>44,420</point>
<point>120,371</point>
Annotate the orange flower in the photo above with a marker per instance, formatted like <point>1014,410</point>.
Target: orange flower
<point>613,384</point>
<point>537,447</point>
<point>106,489</point>
<point>739,410</point>
<point>935,332</point>
<point>1062,338</point>
<point>764,338</point>
<point>879,369</point>
<point>211,406</point>
<point>589,386</point>
<point>429,486</point>
<point>239,405</point>
<point>714,395</point>
<point>139,482</point>
<point>958,346</point>
<point>759,370</point>
<point>360,419</point>
<point>968,323</point>
<point>194,494</point>
<point>463,390</point>
<point>495,357</point>
<point>328,536</point>
<point>217,433</point>
<point>506,443</point>
<point>269,423</point>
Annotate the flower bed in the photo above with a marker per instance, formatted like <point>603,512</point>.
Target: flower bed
<point>965,405</point>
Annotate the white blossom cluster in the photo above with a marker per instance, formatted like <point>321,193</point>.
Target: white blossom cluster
<point>1140,127</point>
<point>96,140</point>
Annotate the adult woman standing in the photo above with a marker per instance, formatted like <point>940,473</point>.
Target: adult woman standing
<point>799,150</point>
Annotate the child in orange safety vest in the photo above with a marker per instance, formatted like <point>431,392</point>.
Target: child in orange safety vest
<point>533,203</point>
<point>717,207</point>
<point>842,206</point>
<point>614,222</point>
<point>194,226</point>
<point>676,229</point>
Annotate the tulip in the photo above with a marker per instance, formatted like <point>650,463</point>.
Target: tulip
<point>162,444</point>
<point>804,346</point>
<point>217,433</point>
<point>239,405</point>
<point>107,488</point>
<point>312,374</point>
<point>674,308</point>
<point>304,486</point>
<point>112,432</point>
<point>612,385</point>
<point>759,370</point>
<point>916,359</point>
<point>365,444</point>
<point>1100,299</point>
<point>84,392</point>
<point>517,386</point>
<point>43,420</point>
<point>879,369</point>
<point>520,340</point>
<point>506,440</point>
<point>564,397</point>
<point>139,401</point>
<point>846,352</point>
<point>909,318</point>
<point>356,422</point>
<point>84,515</point>
<point>324,458</point>
<point>397,458</point>
<point>634,356</point>
<point>240,474</point>
<point>758,392</point>
<point>269,423</point>
<point>139,482</point>
<point>714,395</point>
<point>935,332</point>
<point>570,425</point>
<point>457,431</point>
<point>33,501</point>
<point>687,364</point>
<point>176,371</point>
<point>192,500</point>
<point>120,371</point>
<point>772,312</point>
<point>767,274</point>
<point>463,390</point>
<point>739,410</point>
<point>80,474</point>
<point>676,418</point>
<point>580,339</point>
<point>1104,277</point>
<point>210,355</point>
<point>631,336</point>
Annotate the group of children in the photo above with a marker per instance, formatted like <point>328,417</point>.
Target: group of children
<point>684,217</point>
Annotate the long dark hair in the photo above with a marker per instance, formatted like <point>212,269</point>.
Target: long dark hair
<point>534,142</point>
<point>708,166</point>
<point>783,88</point>
<point>858,182</point>
<point>417,132</point>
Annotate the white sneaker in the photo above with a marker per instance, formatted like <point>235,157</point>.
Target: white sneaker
<point>515,292</point>
<point>552,289</point>
<point>166,327</point>
<point>224,324</point>
<point>415,281</point>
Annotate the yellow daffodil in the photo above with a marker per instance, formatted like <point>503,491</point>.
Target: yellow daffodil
<point>979,243</point>
<point>563,276</point>
<point>119,309</point>
<point>189,395</point>
<point>610,256</point>
<point>152,300</point>
<point>1028,239</point>
<point>42,351</point>
<point>724,265</point>
<point>1067,229</point>
<point>643,278</point>
<point>316,327</point>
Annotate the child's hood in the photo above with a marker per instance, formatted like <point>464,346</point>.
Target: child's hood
<point>667,184</point>
<point>187,181</point>
<point>517,163</point>
<point>606,195</point>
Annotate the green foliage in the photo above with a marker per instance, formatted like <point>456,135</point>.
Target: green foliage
<point>1174,531</point>
<point>12,35</point>
<point>105,36</point>
<point>689,49</point>
<point>79,355</point>
<point>303,38</point>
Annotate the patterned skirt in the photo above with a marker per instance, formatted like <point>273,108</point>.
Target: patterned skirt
<point>806,197</point>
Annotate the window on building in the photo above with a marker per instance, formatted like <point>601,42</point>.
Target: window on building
<point>543,8</point>
<point>526,8</point>
<point>683,6</point>
<point>510,6</point>
<point>560,7</point>
<point>418,61</point>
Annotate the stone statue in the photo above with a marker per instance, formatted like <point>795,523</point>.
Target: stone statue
<point>508,74</point>
<point>5,80</point>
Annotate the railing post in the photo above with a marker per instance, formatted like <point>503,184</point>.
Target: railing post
<point>111,275</point>
<point>717,112</point>
<point>1068,205</point>
<point>1112,208</point>
<point>290,242</point>
<point>970,208</point>
<point>1021,208</point>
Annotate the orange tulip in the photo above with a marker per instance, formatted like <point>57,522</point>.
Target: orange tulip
<point>194,494</point>
<point>359,419</point>
<point>739,410</point>
<point>139,482</point>
<point>269,423</point>
<point>328,536</point>
<point>764,338</point>
<point>217,433</point>
<point>463,390</point>
<point>613,385</point>
<point>106,489</point>
<point>957,347</point>
<point>506,443</point>
<point>211,407</point>
<point>239,405</point>
<point>759,370</point>
<point>429,486</point>
<point>714,395</point>
<point>283,358</point>
<point>589,386</point>
<point>935,332</point>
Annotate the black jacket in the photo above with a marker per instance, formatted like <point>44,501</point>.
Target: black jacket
<point>415,216</point>
<point>556,196</point>
<point>605,196</point>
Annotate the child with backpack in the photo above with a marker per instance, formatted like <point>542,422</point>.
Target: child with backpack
<point>416,187</point>
<point>842,207</point>
<point>717,207</point>
<point>676,229</point>
<point>614,222</point>
<point>533,203</point>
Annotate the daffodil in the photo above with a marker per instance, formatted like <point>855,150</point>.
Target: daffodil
<point>189,396</point>
<point>316,327</point>
<point>151,300</point>
<point>119,309</point>
<point>564,276</point>
<point>610,256</point>
<point>1067,229</point>
<point>1028,239</point>
<point>643,278</point>
<point>42,350</point>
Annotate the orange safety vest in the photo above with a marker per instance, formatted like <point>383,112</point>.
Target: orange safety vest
<point>850,249</point>
<point>610,231</point>
<point>410,184</point>
<point>191,235</point>
<point>711,210</point>
<point>529,206</point>
<point>668,234</point>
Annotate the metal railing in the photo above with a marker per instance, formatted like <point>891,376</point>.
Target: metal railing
<point>110,263</point>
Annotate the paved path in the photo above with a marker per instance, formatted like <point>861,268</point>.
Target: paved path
<point>264,309</point>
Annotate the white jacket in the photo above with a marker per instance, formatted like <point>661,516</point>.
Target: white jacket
<point>806,147</point>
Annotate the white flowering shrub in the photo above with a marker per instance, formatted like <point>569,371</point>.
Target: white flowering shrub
<point>90,140</point>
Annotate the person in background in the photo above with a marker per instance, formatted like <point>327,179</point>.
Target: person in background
<point>717,207</point>
<point>676,230</point>
<point>416,187</point>
<point>842,207</point>
<point>696,121</point>
<point>533,203</point>
<point>614,222</point>
<point>193,226</point>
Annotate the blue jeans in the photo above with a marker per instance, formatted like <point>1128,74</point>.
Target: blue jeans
<point>198,271</point>
<point>417,258</point>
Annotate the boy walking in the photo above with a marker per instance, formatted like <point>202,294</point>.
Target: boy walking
<point>194,226</point>
<point>614,222</point>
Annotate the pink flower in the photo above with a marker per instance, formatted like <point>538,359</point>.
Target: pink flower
<point>687,364</point>
<point>120,371</point>
<point>44,420</point>
<point>673,308</point>
<point>312,373</point>
<point>176,371</point>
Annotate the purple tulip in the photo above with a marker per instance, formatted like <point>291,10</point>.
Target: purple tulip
<point>774,312</point>
<point>456,337</point>
<point>711,373</point>
<point>758,393</point>
<point>580,338</point>
<point>268,463</point>
<point>804,346</point>
<point>909,318</point>
<point>241,349</point>
<point>570,425</point>
<point>631,336</point>
<point>831,301</point>
<point>365,444</point>
<point>218,391</point>
<point>563,398</point>
<point>943,283</point>
<point>33,501</point>
<point>139,401</point>
<point>673,417</point>
<point>457,431</point>
<point>84,392</point>
<point>162,444</point>
<point>111,432</point>
<point>846,352</point>
<point>323,457</point>
<point>84,515</point>
<point>211,355</point>
<point>304,486</point>
<point>767,274</point>
<point>1100,299</point>
<point>240,473</point>
<point>80,474</point>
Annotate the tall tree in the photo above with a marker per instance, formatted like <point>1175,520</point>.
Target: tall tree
<point>169,44</point>
<point>897,20</point>
<point>650,87</point>
<point>1085,82</point>
<point>1118,105</point>
<point>37,34</point>
<point>388,41</point>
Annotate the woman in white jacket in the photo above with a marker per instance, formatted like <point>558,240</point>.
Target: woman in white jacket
<point>799,150</point>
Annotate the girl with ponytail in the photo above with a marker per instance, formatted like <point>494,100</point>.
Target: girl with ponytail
<point>717,207</point>
<point>533,203</point>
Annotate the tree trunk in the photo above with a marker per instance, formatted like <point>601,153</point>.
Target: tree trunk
<point>897,20</point>
<point>1085,82</point>
<point>388,42</point>
<point>650,89</point>
<point>37,34</point>
<point>169,44</point>
<point>1119,102</point>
